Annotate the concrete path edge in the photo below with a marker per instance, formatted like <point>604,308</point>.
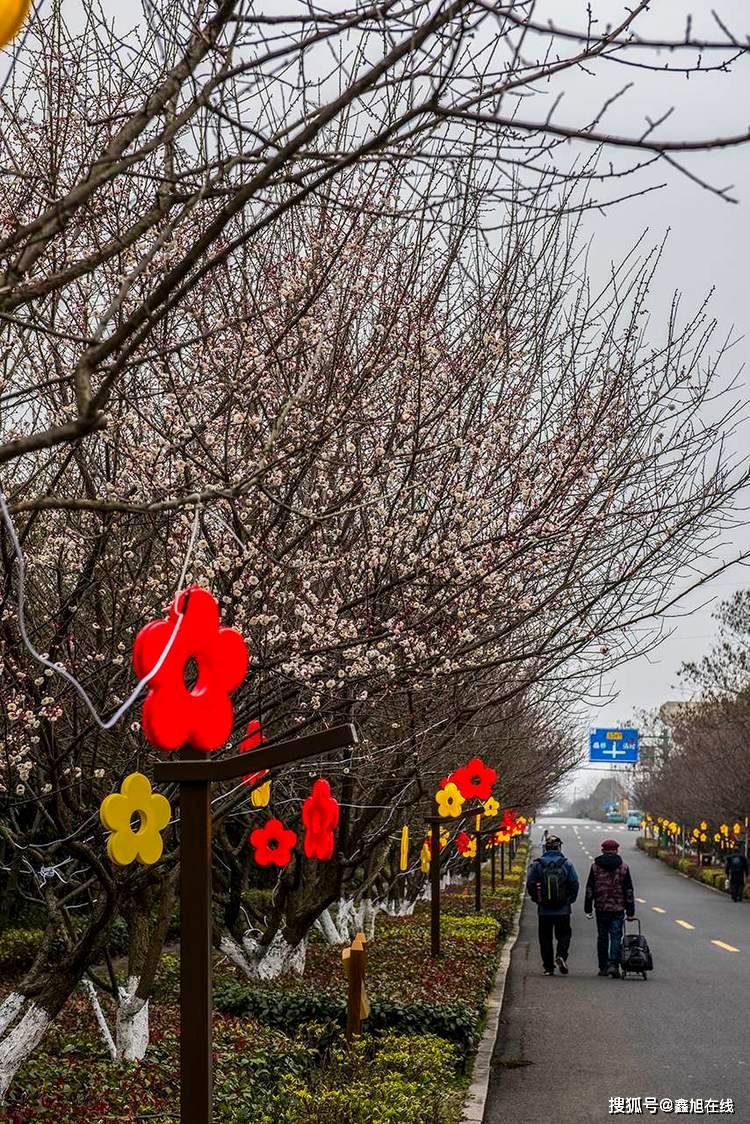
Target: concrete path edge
<point>475,1101</point>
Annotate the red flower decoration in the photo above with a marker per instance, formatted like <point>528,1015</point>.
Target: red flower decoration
<point>443,781</point>
<point>173,713</point>
<point>509,820</point>
<point>273,844</point>
<point>255,738</point>
<point>474,779</point>
<point>462,842</point>
<point>320,815</point>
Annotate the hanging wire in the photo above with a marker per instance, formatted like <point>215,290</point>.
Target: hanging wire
<point>57,669</point>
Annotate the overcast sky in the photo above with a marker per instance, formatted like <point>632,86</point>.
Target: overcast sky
<point>708,247</point>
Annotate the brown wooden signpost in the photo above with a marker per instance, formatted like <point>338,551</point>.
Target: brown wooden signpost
<point>354,959</point>
<point>195,775</point>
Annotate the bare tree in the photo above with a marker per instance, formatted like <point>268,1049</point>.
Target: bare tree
<point>139,162</point>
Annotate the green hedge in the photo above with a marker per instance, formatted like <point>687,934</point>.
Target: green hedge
<point>286,1011</point>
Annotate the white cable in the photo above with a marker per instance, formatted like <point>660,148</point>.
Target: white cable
<point>57,668</point>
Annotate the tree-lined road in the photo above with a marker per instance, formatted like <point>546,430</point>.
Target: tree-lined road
<point>569,1044</point>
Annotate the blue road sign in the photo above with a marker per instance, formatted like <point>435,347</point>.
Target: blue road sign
<point>614,746</point>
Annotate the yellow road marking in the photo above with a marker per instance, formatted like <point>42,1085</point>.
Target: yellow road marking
<point>658,909</point>
<point>685,924</point>
<point>726,947</point>
<point>641,900</point>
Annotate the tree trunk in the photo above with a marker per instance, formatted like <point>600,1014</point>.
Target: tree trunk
<point>24,1022</point>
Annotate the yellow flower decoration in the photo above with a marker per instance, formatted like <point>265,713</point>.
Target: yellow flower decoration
<point>696,833</point>
<point>117,812</point>
<point>736,828</point>
<point>471,850</point>
<point>260,797</point>
<point>444,837</point>
<point>12,16</point>
<point>724,829</point>
<point>404,855</point>
<point>449,800</point>
<point>703,825</point>
<point>491,807</point>
<point>704,837</point>
<point>717,837</point>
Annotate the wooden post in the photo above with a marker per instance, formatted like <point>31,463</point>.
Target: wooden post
<point>502,862</point>
<point>357,1007</point>
<point>478,873</point>
<point>195,773</point>
<point>435,889</point>
<point>196,999</point>
<point>493,864</point>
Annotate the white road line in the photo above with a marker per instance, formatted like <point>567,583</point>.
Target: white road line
<point>726,947</point>
<point>641,900</point>
<point>685,924</point>
<point>658,909</point>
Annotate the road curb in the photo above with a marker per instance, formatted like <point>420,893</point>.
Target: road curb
<point>475,1101</point>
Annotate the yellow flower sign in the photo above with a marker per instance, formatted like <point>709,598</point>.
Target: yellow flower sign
<point>136,816</point>
<point>703,825</point>
<point>13,14</point>
<point>449,800</point>
<point>260,797</point>
<point>491,807</point>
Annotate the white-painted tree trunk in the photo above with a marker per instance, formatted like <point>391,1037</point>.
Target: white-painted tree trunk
<point>369,914</point>
<point>109,1041</point>
<point>10,1009</point>
<point>23,1037</point>
<point>328,928</point>
<point>132,1023</point>
<point>265,962</point>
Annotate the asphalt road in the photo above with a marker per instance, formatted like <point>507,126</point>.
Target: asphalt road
<point>567,1044</point>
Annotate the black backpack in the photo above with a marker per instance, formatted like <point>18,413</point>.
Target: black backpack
<point>555,884</point>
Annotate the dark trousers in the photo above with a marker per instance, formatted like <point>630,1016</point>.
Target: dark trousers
<point>559,925</point>
<point>736,887</point>
<point>609,925</point>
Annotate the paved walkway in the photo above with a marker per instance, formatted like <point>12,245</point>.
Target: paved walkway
<point>569,1044</point>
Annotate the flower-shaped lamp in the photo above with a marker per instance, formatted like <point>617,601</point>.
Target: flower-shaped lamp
<point>201,714</point>
<point>449,801</point>
<point>136,816</point>
<point>13,15</point>
<point>474,780</point>
<point>273,844</point>
<point>320,815</point>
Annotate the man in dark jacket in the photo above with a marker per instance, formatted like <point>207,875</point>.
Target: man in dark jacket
<point>609,890</point>
<point>553,884</point>
<point>736,868</point>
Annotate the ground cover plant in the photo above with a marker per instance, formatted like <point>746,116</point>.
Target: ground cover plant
<point>279,1045</point>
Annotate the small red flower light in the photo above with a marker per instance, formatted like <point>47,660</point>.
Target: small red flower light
<point>475,779</point>
<point>462,842</point>
<point>273,844</point>
<point>173,713</point>
<point>320,815</point>
<point>255,738</point>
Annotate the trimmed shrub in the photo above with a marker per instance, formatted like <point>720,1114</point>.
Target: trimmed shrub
<point>18,947</point>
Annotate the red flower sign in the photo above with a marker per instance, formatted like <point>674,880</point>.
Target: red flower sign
<point>201,715</point>
<point>320,815</point>
<point>273,844</point>
<point>474,779</point>
<point>254,739</point>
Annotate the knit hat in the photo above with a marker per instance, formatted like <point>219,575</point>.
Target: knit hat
<point>610,845</point>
